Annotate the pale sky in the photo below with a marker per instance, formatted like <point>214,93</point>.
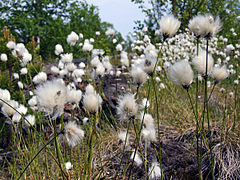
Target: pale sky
<point>120,13</point>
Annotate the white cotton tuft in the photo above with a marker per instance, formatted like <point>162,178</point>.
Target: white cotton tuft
<point>73,133</point>
<point>181,73</point>
<point>74,96</point>
<point>154,171</point>
<point>138,75</point>
<point>199,63</point>
<point>52,96</point>
<point>4,95</point>
<point>119,47</point>
<point>29,120</point>
<point>127,107</point>
<point>67,58</point>
<point>92,102</point>
<point>58,49</point>
<point>55,70</point>
<point>11,45</point>
<point>205,26</point>
<point>219,73</point>
<point>23,71</point>
<point>137,158</point>
<point>4,57</point>
<point>9,111</point>
<point>90,89</point>
<point>169,25</point>
<point>40,78</point>
<point>72,38</point>
<point>124,137</point>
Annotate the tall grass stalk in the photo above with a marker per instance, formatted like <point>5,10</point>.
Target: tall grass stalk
<point>158,126</point>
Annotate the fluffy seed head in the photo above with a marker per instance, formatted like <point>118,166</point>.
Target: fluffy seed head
<point>3,57</point>
<point>74,96</point>
<point>5,95</point>
<point>181,73</point>
<point>219,73</point>
<point>92,102</point>
<point>73,133</point>
<point>52,96</point>
<point>67,58</point>
<point>147,119</point>
<point>199,63</point>
<point>72,38</point>
<point>137,159</point>
<point>9,111</point>
<point>169,25</point>
<point>154,171</point>
<point>205,26</point>
<point>58,49</point>
<point>149,134</point>
<point>138,75</point>
<point>127,107</point>
<point>123,136</point>
<point>30,120</point>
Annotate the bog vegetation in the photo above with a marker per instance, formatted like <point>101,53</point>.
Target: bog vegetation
<point>85,104</point>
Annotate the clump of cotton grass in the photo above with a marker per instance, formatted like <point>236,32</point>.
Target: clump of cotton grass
<point>138,75</point>
<point>124,137</point>
<point>127,107</point>
<point>154,171</point>
<point>169,25</point>
<point>181,73</point>
<point>72,38</point>
<point>205,26</point>
<point>137,159</point>
<point>52,96</point>
<point>199,63</point>
<point>73,133</point>
<point>219,74</point>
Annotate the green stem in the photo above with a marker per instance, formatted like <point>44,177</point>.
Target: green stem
<point>158,124</point>
<point>30,162</point>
